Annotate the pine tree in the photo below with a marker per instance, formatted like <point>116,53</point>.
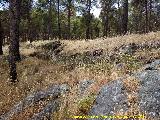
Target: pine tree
<point>1,38</point>
<point>14,54</point>
<point>59,24</point>
<point>125,17</point>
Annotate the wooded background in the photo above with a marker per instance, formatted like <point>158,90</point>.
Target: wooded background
<point>29,20</point>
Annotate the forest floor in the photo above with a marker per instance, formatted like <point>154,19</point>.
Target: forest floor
<point>37,73</point>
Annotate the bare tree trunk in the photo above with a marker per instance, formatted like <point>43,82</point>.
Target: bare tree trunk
<point>69,19</point>
<point>88,19</point>
<point>1,38</point>
<point>150,15</point>
<point>146,15</point>
<point>125,17</point>
<point>140,29</point>
<point>119,18</point>
<point>50,20</point>
<point>106,7</point>
<point>14,28</point>
<point>14,54</point>
<point>106,25</point>
<point>59,25</point>
<point>30,34</point>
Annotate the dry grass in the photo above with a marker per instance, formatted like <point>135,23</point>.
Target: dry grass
<point>109,43</point>
<point>36,74</point>
<point>131,84</point>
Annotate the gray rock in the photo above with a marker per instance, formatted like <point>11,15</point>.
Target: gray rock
<point>149,93</point>
<point>128,49</point>
<point>153,65</point>
<point>98,52</point>
<point>155,44</point>
<point>47,111</point>
<point>111,99</point>
<point>53,92</point>
<point>83,85</point>
<point>41,55</point>
<point>119,66</point>
<point>94,53</point>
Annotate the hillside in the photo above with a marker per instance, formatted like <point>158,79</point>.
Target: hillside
<point>85,67</point>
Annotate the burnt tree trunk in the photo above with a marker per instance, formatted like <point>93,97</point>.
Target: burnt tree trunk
<point>14,54</point>
<point>1,38</point>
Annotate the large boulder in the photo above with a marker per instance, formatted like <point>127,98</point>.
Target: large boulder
<point>53,92</point>
<point>149,93</point>
<point>111,99</point>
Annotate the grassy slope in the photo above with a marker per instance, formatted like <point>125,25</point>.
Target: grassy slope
<point>35,74</point>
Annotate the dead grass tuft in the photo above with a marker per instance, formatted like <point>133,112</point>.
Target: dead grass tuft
<point>131,84</point>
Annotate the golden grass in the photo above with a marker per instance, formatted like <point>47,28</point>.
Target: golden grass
<point>36,74</point>
<point>131,84</point>
<point>109,43</point>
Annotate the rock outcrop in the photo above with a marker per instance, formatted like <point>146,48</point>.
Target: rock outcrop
<point>112,98</point>
<point>52,92</point>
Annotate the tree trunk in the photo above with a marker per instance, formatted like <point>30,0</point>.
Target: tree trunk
<point>59,25</point>
<point>146,15</point>
<point>140,28</point>
<point>150,15</point>
<point>14,54</point>
<point>14,28</point>
<point>69,19</point>
<point>1,38</point>
<point>125,17</point>
<point>50,20</point>
<point>88,19</point>
<point>119,18</point>
<point>30,34</point>
<point>106,7</point>
<point>106,25</point>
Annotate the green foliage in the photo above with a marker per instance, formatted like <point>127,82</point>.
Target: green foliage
<point>131,62</point>
<point>85,104</point>
<point>110,21</point>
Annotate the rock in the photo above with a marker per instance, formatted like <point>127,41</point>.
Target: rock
<point>120,66</point>
<point>29,45</point>
<point>152,66</point>
<point>47,111</point>
<point>128,49</point>
<point>52,50</point>
<point>83,85</point>
<point>52,46</point>
<point>150,44</point>
<point>55,51</point>
<point>95,53</point>
<point>149,93</point>
<point>40,55</point>
<point>56,45</point>
<point>52,92</point>
<point>111,99</point>
<point>98,52</point>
